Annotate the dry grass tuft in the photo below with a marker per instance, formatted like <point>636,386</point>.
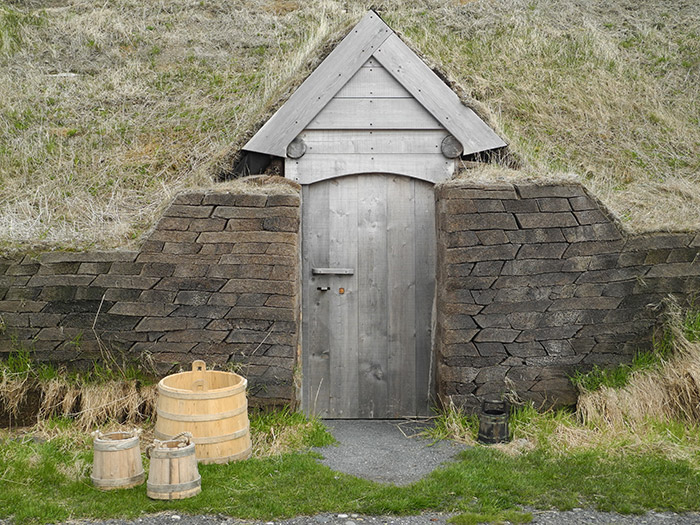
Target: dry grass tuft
<point>13,391</point>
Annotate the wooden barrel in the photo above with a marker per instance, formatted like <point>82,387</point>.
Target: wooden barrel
<point>173,472</point>
<point>210,405</point>
<point>117,461</point>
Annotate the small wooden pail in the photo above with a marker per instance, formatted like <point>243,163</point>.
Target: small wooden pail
<point>173,472</point>
<point>493,422</point>
<point>212,406</point>
<point>117,460</point>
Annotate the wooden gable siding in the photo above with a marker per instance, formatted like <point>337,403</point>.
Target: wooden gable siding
<point>372,125</point>
<point>325,81</point>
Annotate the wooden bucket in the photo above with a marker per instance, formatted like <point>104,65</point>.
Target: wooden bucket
<point>173,472</point>
<point>117,460</point>
<point>210,405</point>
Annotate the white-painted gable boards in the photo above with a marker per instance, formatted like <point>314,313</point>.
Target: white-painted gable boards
<point>372,106</point>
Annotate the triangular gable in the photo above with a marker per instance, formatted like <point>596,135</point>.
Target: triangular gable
<point>372,38</point>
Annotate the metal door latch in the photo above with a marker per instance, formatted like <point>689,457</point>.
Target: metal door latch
<point>323,288</point>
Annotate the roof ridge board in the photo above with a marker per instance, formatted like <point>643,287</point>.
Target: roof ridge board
<point>320,86</point>
<point>436,97</point>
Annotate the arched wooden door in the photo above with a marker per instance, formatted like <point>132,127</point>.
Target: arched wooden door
<point>368,286</point>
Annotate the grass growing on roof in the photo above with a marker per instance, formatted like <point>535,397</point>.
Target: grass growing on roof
<point>106,111</point>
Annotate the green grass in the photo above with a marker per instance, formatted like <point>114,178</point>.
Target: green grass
<point>48,482</point>
<point>619,376</point>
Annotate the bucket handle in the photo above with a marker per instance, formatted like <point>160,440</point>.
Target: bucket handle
<point>494,404</point>
<point>199,366</point>
<point>185,437</point>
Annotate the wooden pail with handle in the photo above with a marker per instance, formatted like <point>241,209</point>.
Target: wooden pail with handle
<point>117,460</point>
<point>173,472</point>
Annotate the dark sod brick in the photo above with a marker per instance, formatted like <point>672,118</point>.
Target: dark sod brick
<point>94,268</point>
<point>458,296</point>
<point>126,268</point>
<point>224,299</point>
<point>583,203</point>
<point>527,206</point>
<point>536,235</point>
<point>191,270</point>
<point>591,217</point>
<point>58,293</point>
<point>593,232</point>
<point>203,284</point>
<point>546,220</point>
<point>489,268</point>
<point>615,274</point>
<point>553,204</point>
<point>189,199</point>
<point>542,250</point>
<point>488,205</point>
<point>42,320</point>
<point>259,286</point>
<point>125,281</point>
<point>458,322</point>
<point>174,223</point>
<point>167,236</point>
<point>181,248</point>
<point>283,200</point>
<point>254,299</point>
<point>535,281</point>
<point>262,313</point>
<point>151,247</point>
<point>193,297</point>
<point>501,335</point>
<point>158,269</point>
<point>281,301</point>
<point>585,303</point>
<point>460,349</point>
<point>659,241</point>
<point>470,283</point>
<point>451,337</point>
<point>480,221</point>
<point>121,294</point>
<point>511,307</point>
<point>491,237</point>
<point>22,293</point>
<point>142,309</point>
<point>501,252</point>
<point>525,320</point>
<point>167,324</point>
<point>544,334</point>
<point>71,307</point>
<point>59,268</point>
<point>674,270</point>
<point>529,191</point>
<point>681,255</point>
<point>529,349</point>
<point>281,224</point>
<point>460,270</point>
<point>207,225</point>
<point>208,312</point>
<point>460,239</point>
<point>593,248</point>
<point>492,191</point>
<point>62,280</point>
<point>244,225</point>
<point>194,336</point>
<point>23,269</point>
<point>491,349</point>
<point>457,206</point>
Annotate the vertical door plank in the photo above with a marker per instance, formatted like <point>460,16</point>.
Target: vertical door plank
<point>425,239</point>
<point>342,221</point>
<point>401,272</point>
<point>372,302</point>
<point>315,328</point>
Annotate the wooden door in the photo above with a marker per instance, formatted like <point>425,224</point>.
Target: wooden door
<point>368,287</point>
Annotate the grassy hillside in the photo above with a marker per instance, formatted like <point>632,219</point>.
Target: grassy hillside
<point>109,108</point>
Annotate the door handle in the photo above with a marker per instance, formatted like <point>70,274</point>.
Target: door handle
<point>332,271</point>
<point>323,288</point>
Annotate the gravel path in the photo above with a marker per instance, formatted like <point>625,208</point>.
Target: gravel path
<point>385,451</point>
